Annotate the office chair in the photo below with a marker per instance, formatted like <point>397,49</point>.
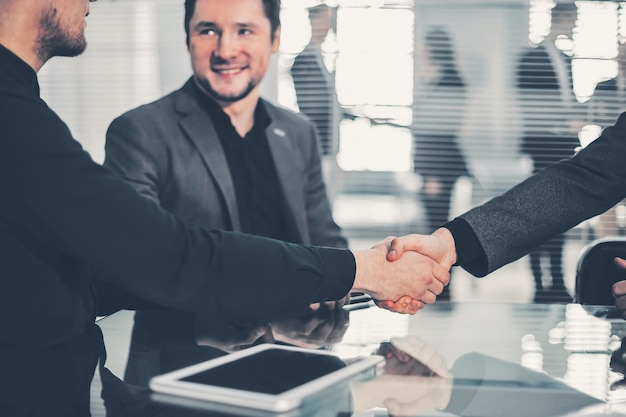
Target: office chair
<point>596,272</point>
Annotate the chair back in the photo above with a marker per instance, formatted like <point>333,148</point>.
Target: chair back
<point>596,271</point>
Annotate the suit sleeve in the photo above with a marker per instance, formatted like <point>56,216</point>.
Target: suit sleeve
<point>79,207</point>
<point>324,231</point>
<point>131,154</point>
<point>551,202</point>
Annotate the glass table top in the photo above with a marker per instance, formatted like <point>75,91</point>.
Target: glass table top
<point>467,359</point>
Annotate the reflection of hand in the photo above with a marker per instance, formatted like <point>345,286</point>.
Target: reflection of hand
<point>413,275</point>
<point>415,379</point>
<point>228,336</point>
<point>320,327</point>
<point>412,351</point>
<point>398,362</point>
<point>402,395</point>
<point>331,304</point>
<point>619,289</point>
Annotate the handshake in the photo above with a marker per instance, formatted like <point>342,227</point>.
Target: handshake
<point>406,273</point>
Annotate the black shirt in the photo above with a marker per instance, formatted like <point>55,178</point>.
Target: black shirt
<point>259,198</point>
<point>43,285</point>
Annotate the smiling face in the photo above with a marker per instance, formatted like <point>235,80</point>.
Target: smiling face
<point>62,29</point>
<point>231,43</point>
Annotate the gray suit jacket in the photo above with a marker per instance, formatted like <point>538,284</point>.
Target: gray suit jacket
<point>170,152</point>
<point>552,201</point>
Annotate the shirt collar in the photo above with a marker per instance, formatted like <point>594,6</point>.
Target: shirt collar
<point>262,119</point>
<point>14,68</point>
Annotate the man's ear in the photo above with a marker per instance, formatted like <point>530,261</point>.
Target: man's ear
<point>276,42</point>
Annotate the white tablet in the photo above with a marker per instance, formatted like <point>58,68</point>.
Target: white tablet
<point>267,377</point>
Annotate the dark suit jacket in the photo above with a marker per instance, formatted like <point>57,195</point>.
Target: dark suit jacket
<point>552,201</point>
<point>170,152</point>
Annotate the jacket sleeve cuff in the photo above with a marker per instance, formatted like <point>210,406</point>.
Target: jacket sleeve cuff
<point>470,254</point>
<point>339,273</point>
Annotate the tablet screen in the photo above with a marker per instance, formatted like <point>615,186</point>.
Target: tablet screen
<point>271,371</point>
<point>266,377</point>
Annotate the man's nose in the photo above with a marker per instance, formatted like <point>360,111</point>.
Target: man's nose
<point>228,46</point>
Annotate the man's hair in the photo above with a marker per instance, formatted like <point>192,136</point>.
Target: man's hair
<point>271,8</point>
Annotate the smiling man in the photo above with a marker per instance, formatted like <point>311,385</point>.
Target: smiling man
<point>217,154</point>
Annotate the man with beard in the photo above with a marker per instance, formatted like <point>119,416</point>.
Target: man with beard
<point>63,216</point>
<point>214,152</point>
<point>217,154</point>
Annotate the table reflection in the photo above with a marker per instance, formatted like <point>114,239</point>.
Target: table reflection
<point>163,341</point>
<point>416,381</point>
<point>460,359</point>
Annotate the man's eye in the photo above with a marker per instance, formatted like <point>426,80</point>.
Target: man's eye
<point>207,32</point>
<point>245,32</point>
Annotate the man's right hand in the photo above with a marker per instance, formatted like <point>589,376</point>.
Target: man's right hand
<point>414,275</point>
<point>438,246</point>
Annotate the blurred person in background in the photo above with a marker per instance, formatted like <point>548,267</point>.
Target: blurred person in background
<point>437,121</point>
<point>607,103</point>
<point>314,84</point>
<point>552,120</point>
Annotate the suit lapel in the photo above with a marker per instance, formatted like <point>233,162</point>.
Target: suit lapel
<point>199,129</point>
<point>289,174</point>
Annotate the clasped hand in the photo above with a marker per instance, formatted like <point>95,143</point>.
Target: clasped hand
<point>415,378</point>
<point>407,282</point>
<point>419,268</point>
<point>440,248</point>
